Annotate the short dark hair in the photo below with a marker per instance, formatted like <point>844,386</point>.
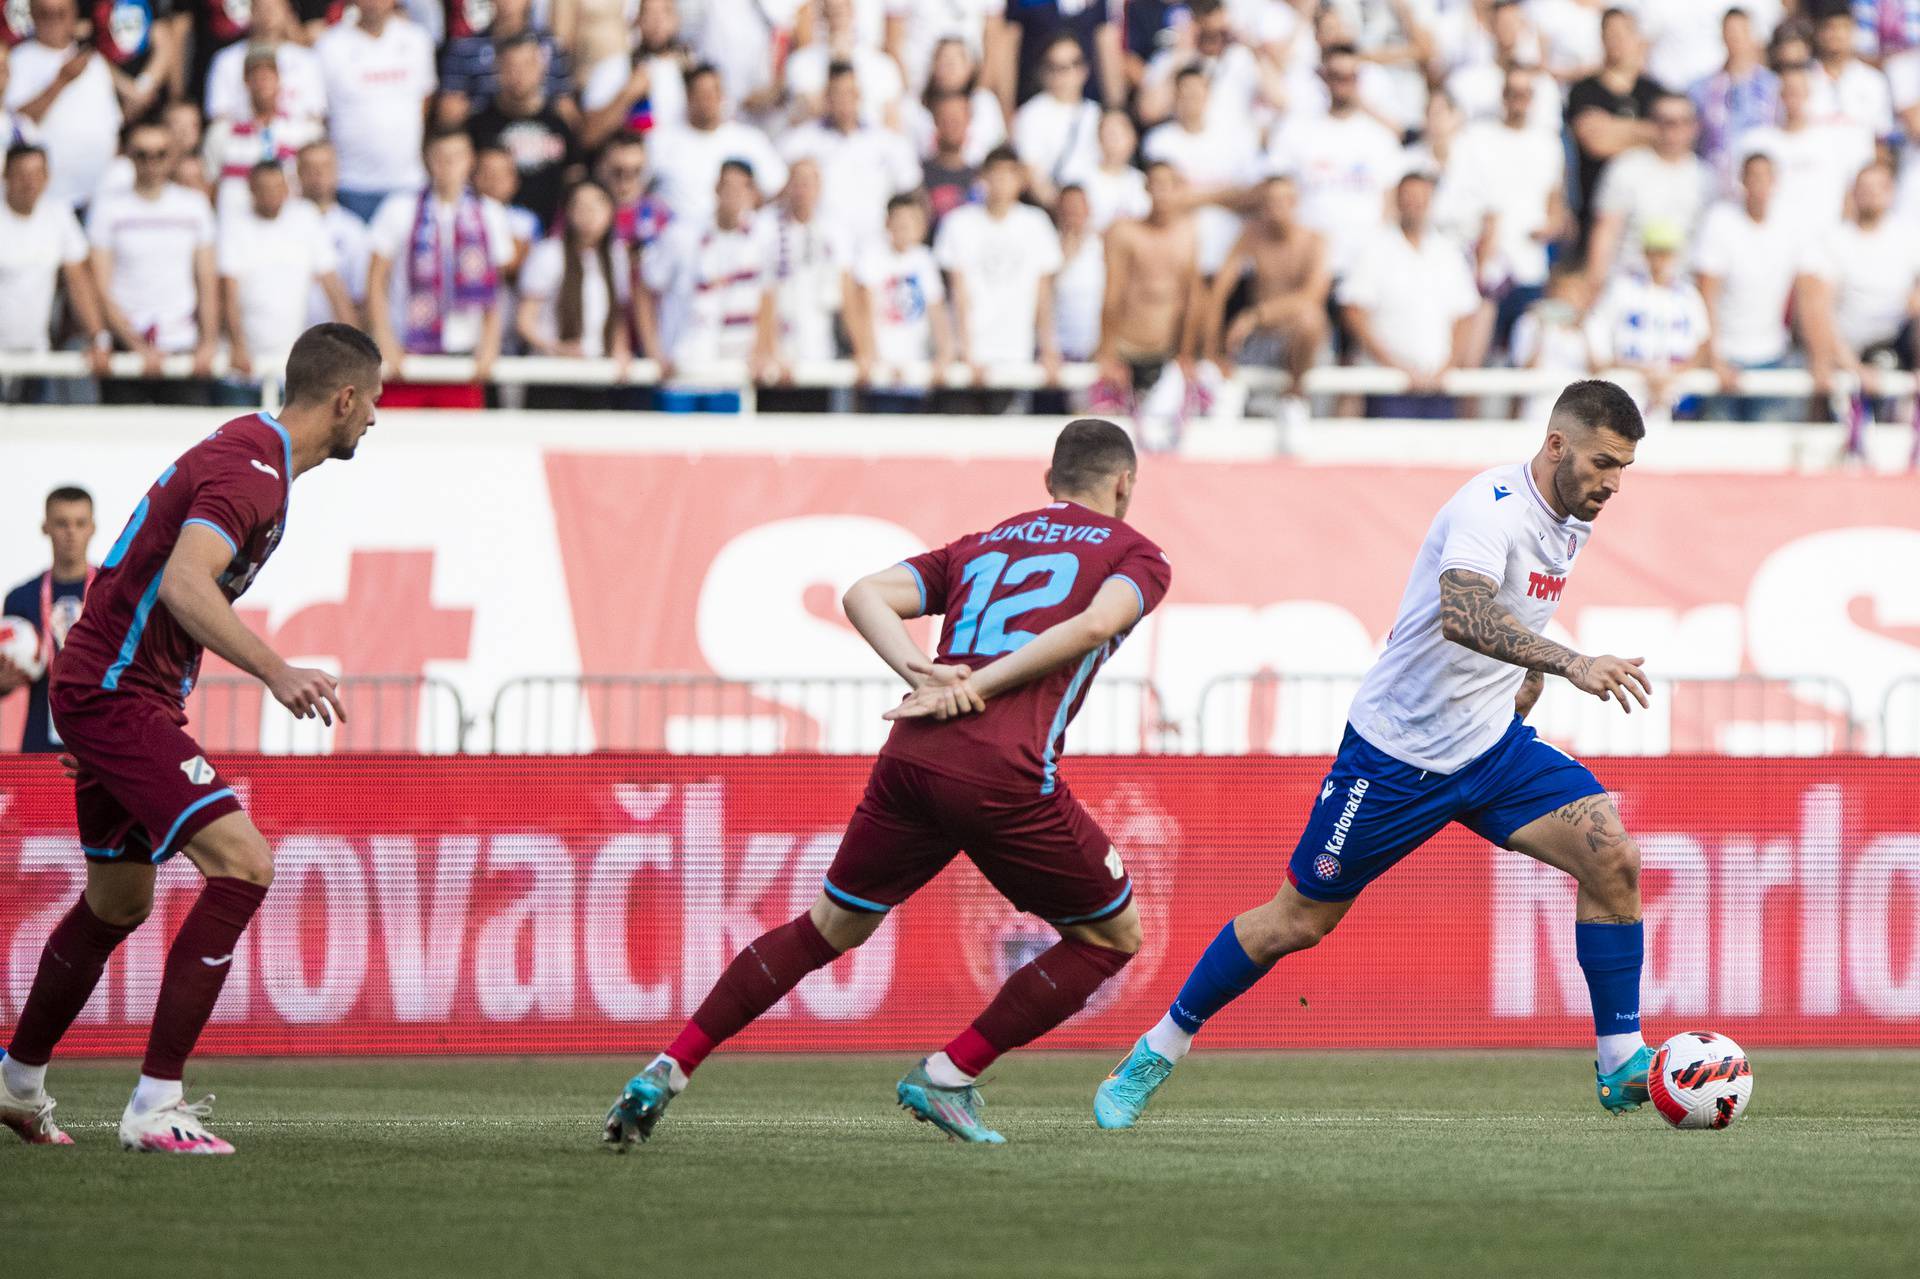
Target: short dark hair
<point>1618,11</point>
<point>699,69</point>
<point>838,68</point>
<point>440,133</point>
<point>518,40</point>
<point>1598,405</point>
<point>20,150</point>
<point>69,493</point>
<point>905,200</point>
<point>264,166</point>
<point>327,357</point>
<point>1189,71</point>
<point>1089,450</point>
<point>1002,154</point>
<point>737,164</point>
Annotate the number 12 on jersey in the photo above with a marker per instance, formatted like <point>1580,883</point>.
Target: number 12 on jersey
<point>982,628</point>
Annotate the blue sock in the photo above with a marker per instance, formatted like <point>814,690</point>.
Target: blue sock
<point>1610,956</point>
<point>1225,972</point>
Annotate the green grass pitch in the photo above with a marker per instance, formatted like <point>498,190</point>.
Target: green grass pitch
<point>1383,1164</point>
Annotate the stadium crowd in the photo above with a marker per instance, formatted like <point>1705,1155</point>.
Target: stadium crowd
<point>1168,190</point>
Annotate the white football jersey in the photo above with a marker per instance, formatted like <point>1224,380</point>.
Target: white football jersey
<point>1430,702</point>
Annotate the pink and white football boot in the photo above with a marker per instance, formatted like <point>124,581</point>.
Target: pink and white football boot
<point>172,1130</point>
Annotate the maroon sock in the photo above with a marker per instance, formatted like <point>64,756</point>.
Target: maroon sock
<point>768,968</point>
<point>75,955</point>
<point>1055,986</point>
<point>197,967</point>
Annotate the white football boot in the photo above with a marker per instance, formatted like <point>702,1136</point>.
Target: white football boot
<point>31,1118</point>
<point>172,1130</point>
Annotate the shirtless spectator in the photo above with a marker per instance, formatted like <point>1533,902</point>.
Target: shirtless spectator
<point>1219,160</point>
<point>1152,314</point>
<point>1285,320</point>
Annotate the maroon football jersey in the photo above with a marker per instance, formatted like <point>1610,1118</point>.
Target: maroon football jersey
<point>998,590</point>
<point>236,482</point>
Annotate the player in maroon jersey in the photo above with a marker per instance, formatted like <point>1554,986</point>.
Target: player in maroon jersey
<point>1033,606</point>
<point>143,789</point>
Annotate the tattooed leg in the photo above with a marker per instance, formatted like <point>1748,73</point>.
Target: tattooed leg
<point>1586,840</point>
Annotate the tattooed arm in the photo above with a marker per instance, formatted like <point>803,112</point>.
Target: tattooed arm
<point>1529,693</point>
<point>1471,616</point>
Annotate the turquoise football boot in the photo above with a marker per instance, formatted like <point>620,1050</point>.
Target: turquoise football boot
<point>954,1111</point>
<point>1626,1088</point>
<point>639,1107</point>
<point>1122,1095</point>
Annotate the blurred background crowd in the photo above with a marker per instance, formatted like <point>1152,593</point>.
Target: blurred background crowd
<point>1169,192</point>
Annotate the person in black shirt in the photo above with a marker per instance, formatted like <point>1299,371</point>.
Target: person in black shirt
<point>1608,111</point>
<point>142,40</point>
<point>524,122</point>
<point>948,178</point>
<point>1034,25</point>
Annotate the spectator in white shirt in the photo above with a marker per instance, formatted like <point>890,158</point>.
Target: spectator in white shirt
<point>643,89</point>
<point>1000,257</point>
<point>1845,89</point>
<point>1115,188</point>
<point>66,91</point>
<point>1551,337</point>
<point>1479,86</point>
<point>575,294</point>
<point>1219,160</point>
<point>303,82</point>
<point>41,246</point>
<point>807,70</point>
<point>1409,303</point>
<point>687,158</point>
<point>1750,265</point>
<point>153,265</point>
<point>1056,133</point>
<point>318,169</point>
<point>714,280</point>
<point>1814,164</point>
<point>1866,288</point>
<point>813,247</point>
<point>235,144</point>
<point>1652,321</point>
<point>862,166</point>
<point>273,252</point>
<point>1244,93</point>
<point>435,275</point>
<point>898,313</point>
<point>14,127</point>
<point>742,38</point>
<point>1665,182</point>
<point>379,77</point>
<point>955,71</point>
<point>925,25</point>
<point>1503,193</point>
<point>1080,289</point>
<point>1345,162</point>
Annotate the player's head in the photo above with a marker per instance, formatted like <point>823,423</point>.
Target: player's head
<point>1094,464</point>
<point>69,525</point>
<point>1165,187</point>
<point>1005,177</point>
<point>906,221</point>
<point>267,184</point>
<point>1591,438</point>
<point>333,373</point>
<point>26,177</point>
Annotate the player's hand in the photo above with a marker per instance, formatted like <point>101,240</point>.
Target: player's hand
<point>938,701</point>
<point>149,360</point>
<point>391,360</point>
<point>71,767</point>
<point>307,693</point>
<point>1050,366</point>
<point>240,361</point>
<point>1728,375</point>
<point>11,677</point>
<point>100,360</point>
<point>1617,677</point>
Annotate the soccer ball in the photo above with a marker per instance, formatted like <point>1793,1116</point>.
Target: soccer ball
<point>1700,1080</point>
<point>20,644</point>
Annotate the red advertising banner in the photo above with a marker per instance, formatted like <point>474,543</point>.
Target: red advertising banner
<point>586,904</point>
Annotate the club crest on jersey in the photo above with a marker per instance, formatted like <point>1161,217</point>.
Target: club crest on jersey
<point>1114,866</point>
<point>198,771</point>
<point>1327,867</point>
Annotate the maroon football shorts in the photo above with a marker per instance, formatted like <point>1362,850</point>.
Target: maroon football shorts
<point>145,788</point>
<point>1044,853</point>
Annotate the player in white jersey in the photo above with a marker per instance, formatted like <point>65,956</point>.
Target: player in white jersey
<point>1437,734</point>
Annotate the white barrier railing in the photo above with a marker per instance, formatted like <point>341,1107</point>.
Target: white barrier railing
<point>733,375</point>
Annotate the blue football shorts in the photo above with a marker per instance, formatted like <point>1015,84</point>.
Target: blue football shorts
<point>1372,809</point>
